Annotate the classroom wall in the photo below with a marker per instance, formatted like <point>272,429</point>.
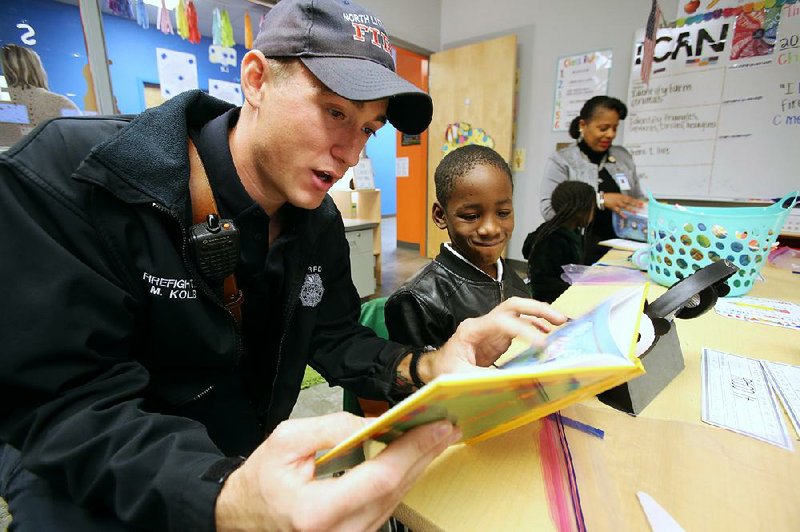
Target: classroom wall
<point>415,22</point>
<point>545,32</point>
<point>132,52</point>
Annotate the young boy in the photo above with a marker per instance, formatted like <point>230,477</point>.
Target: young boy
<point>468,278</point>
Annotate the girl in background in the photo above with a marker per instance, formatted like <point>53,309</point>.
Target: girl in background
<point>559,240</point>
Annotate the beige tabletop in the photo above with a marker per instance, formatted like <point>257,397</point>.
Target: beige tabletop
<point>357,224</point>
<point>706,477</point>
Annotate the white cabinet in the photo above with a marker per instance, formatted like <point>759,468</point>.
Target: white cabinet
<point>362,260</point>
<point>360,207</point>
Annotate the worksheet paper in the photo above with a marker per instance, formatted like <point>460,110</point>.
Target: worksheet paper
<point>760,310</point>
<point>785,381</point>
<point>737,397</point>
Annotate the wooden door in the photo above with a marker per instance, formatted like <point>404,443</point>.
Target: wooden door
<point>152,95</point>
<point>471,84</point>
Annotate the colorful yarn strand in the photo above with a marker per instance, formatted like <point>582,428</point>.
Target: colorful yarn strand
<point>164,21</point>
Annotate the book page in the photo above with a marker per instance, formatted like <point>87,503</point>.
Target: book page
<point>602,336</point>
<point>785,380</point>
<point>737,397</point>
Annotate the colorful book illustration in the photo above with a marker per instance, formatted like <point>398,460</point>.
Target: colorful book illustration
<point>588,355</point>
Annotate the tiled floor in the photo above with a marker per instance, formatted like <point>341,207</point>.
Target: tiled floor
<point>398,264</point>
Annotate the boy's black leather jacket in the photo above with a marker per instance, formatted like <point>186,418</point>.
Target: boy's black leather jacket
<point>118,376</point>
<point>427,309</point>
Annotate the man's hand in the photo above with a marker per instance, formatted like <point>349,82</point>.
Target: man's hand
<point>275,488</point>
<point>481,341</point>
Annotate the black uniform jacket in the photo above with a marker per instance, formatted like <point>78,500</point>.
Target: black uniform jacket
<point>427,309</point>
<point>119,376</point>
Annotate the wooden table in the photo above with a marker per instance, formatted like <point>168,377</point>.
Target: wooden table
<point>706,477</point>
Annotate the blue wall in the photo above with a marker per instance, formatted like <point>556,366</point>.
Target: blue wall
<point>59,41</point>
<point>131,49</point>
<point>382,150</point>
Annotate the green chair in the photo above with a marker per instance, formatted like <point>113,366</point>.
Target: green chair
<point>372,317</point>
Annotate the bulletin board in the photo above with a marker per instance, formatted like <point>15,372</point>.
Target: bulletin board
<point>578,78</point>
<point>720,118</point>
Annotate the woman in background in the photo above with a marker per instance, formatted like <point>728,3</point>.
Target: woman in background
<point>594,160</point>
<point>27,84</point>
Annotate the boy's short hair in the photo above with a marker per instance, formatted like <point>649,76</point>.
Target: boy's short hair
<point>459,163</point>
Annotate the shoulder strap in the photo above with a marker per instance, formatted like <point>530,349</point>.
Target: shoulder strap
<point>203,204</point>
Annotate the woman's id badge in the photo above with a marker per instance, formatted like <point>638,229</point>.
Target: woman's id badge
<point>622,181</point>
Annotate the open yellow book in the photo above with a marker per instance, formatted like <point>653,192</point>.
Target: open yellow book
<point>588,355</point>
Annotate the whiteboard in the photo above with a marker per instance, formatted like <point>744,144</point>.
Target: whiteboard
<point>720,118</point>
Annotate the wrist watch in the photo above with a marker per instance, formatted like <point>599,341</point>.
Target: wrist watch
<point>222,469</point>
<point>601,201</point>
<point>412,368</point>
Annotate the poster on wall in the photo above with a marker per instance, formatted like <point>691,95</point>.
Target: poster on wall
<point>225,90</point>
<point>409,140</point>
<point>460,134</point>
<point>401,167</point>
<point>578,78</point>
<point>177,72</point>
<point>720,117</point>
<point>363,174</point>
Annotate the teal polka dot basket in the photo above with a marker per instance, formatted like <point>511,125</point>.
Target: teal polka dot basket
<point>684,239</point>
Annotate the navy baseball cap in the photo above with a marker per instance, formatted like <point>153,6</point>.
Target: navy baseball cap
<point>347,49</point>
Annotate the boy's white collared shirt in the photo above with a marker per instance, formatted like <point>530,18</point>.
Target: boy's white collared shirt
<point>457,254</point>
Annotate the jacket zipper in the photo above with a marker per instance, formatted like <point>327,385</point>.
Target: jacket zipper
<point>292,304</point>
<point>199,395</point>
<point>264,408</point>
<point>203,287</point>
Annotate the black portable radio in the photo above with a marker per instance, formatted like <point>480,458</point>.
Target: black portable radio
<point>215,246</point>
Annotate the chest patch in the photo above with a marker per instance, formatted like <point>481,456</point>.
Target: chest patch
<point>312,290</point>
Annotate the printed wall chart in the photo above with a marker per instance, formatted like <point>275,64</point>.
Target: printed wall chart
<point>578,78</point>
<point>720,118</point>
